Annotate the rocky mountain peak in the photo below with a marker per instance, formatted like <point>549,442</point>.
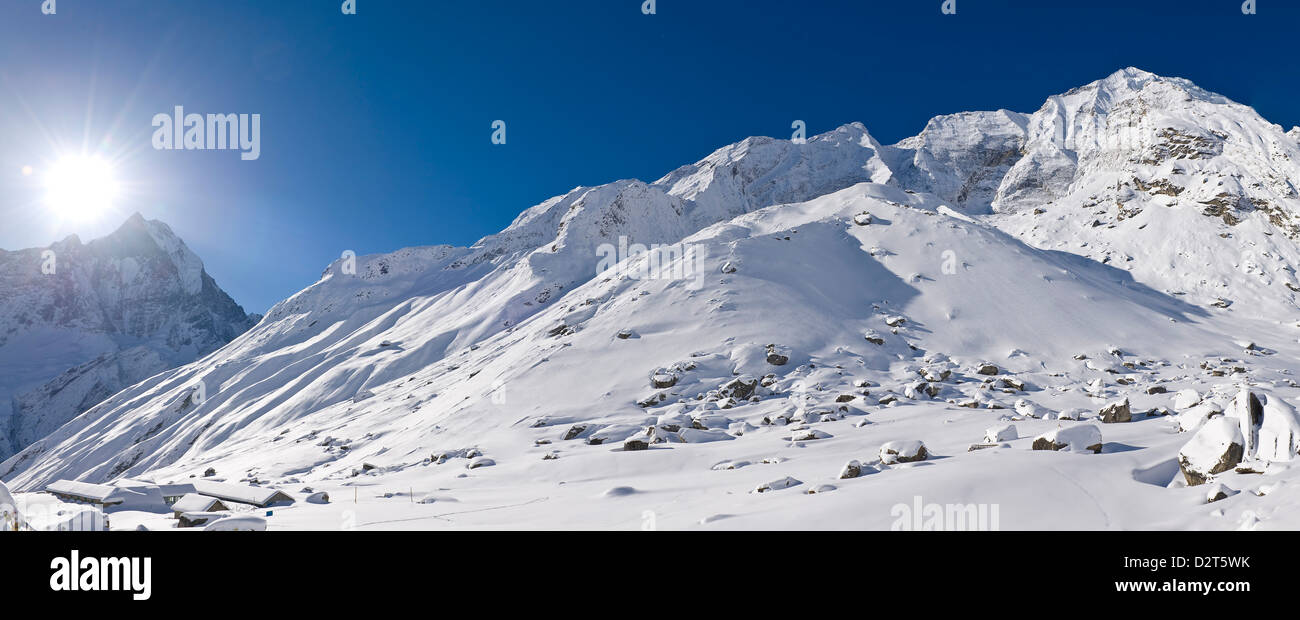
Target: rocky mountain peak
<point>99,316</point>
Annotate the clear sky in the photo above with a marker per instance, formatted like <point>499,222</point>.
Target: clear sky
<point>376,127</point>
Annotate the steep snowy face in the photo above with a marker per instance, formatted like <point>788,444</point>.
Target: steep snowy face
<point>1192,193</point>
<point>760,172</point>
<point>1134,135</point>
<point>961,158</point>
<point>78,322</point>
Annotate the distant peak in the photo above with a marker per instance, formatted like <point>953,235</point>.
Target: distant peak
<point>854,133</point>
<point>134,223</point>
<point>1134,72</point>
<point>1132,81</point>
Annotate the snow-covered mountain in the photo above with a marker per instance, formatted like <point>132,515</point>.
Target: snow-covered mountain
<point>1192,193</point>
<point>755,320</point>
<point>78,322</point>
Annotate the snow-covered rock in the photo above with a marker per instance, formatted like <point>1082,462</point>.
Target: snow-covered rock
<point>1075,438</point>
<point>1216,448</point>
<point>852,469</point>
<point>1116,413</point>
<point>1218,492</point>
<point>1186,399</point>
<point>777,485</point>
<point>1194,417</point>
<point>908,451</point>
<point>1269,426</point>
<point>998,434</point>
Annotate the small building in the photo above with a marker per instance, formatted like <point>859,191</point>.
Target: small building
<point>173,493</point>
<point>195,519</point>
<point>146,498</point>
<point>194,502</point>
<point>101,495</point>
<point>243,494</point>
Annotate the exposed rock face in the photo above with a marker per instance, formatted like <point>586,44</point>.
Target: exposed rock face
<point>1116,413</point>
<point>79,322</point>
<point>962,158</point>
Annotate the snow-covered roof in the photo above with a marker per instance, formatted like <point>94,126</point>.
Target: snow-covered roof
<point>257,496</point>
<point>194,502</point>
<point>173,490</point>
<point>167,490</point>
<point>101,493</point>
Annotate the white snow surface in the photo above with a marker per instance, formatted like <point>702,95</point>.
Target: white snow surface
<point>499,385</point>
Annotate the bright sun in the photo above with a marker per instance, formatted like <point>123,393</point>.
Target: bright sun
<point>80,187</point>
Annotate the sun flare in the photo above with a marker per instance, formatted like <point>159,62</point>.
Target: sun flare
<point>80,187</point>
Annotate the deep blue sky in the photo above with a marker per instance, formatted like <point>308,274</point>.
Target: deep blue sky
<point>376,127</point>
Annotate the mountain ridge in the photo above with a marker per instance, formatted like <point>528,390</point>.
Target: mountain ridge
<point>1051,246</point>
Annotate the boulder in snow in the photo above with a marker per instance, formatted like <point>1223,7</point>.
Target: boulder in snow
<point>694,435</point>
<point>1186,399</point>
<point>810,434</point>
<point>1006,432</point>
<point>636,444</point>
<point>1196,416</point>
<point>1269,426</point>
<point>776,358</point>
<point>777,485</point>
<point>1116,413</point>
<point>1030,409</point>
<point>1218,492</point>
<point>852,469</point>
<point>660,381</point>
<point>903,452</point>
<point>1216,448</point>
<point>1076,438</point>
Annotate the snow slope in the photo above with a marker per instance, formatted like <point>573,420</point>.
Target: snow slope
<point>815,302</point>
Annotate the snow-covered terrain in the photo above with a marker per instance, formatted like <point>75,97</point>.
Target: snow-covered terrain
<point>1036,321</point>
<point>78,322</point>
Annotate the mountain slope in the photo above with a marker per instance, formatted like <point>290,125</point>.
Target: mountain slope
<point>78,322</point>
<point>790,307</point>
